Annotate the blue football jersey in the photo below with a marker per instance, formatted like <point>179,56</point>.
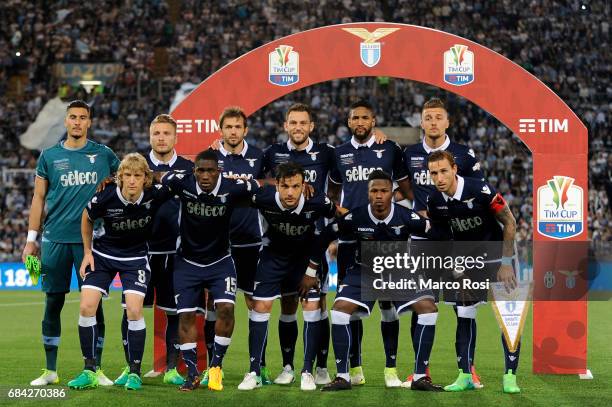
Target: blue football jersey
<point>205,217</point>
<point>165,224</point>
<point>415,159</point>
<point>245,228</point>
<point>291,230</point>
<point>354,164</point>
<point>470,212</point>
<point>316,159</point>
<point>122,228</point>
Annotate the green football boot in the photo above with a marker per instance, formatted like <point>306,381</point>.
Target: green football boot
<point>266,376</point>
<point>134,382</point>
<point>87,379</point>
<point>204,380</point>
<point>172,376</point>
<point>510,385</point>
<point>462,383</point>
<point>123,377</point>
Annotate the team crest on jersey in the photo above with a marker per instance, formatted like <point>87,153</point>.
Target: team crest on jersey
<point>308,214</point>
<point>469,202</point>
<point>252,161</point>
<point>92,158</point>
<point>148,204</point>
<point>397,229</point>
<point>223,197</point>
<point>379,153</point>
<point>313,155</point>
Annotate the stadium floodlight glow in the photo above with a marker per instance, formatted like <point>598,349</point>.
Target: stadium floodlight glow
<point>17,54</point>
<point>89,85</point>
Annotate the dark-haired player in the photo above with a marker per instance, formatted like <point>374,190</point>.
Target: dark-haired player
<point>290,236</point>
<point>203,260</point>
<point>435,122</point>
<point>380,220</point>
<point>124,217</point>
<point>475,212</point>
<point>355,161</point>
<point>66,178</point>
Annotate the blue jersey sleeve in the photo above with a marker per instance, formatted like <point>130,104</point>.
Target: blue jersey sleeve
<point>95,207</point>
<point>399,168</point>
<point>173,180</point>
<point>472,166</point>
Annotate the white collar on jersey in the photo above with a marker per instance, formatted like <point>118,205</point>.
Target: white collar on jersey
<point>295,210</point>
<point>385,220</point>
<point>291,147</point>
<point>245,147</point>
<point>458,192</point>
<point>214,192</point>
<point>125,201</point>
<point>368,143</point>
<point>156,161</point>
<point>444,145</point>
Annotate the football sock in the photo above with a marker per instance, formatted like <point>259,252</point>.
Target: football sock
<point>356,336</point>
<point>190,357</point>
<point>287,335</point>
<point>209,333</point>
<point>88,334</point>
<point>312,323</point>
<point>124,329</point>
<point>465,337</point>
<point>221,345</point>
<point>389,328</point>
<point>423,340</point>
<point>52,327</point>
<point>136,335</point>
<point>341,340</point>
<point>324,332</point>
<point>101,334</point>
<point>511,358</point>
<point>258,333</point>
<point>172,346</point>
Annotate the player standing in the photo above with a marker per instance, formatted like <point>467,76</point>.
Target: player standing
<point>124,217</point>
<point>380,221</point>
<point>355,161</point>
<point>435,122</point>
<point>474,211</point>
<point>203,260</point>
<point>162,246</point>
<point>291,227</point>
<point>66,178</point>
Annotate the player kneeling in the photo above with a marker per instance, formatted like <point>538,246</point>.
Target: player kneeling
<point>125,213</point>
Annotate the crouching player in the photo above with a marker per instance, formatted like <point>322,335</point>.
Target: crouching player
<point>290,236</point>
<point>124,215</point>
<point>475,212</point>
<point>380,220</point>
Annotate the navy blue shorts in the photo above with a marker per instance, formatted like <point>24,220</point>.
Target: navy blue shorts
<point>161,287</point>
<point>190,280</point>
<point>245,260</point>
<point>345,258</point>
<point>350,290</point>
<point>279,275</point>
<point>134,274</point>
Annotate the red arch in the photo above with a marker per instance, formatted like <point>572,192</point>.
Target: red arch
<point>553,133</point>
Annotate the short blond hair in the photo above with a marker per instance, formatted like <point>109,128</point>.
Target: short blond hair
<point>164,118</point>
<point>135,162</point>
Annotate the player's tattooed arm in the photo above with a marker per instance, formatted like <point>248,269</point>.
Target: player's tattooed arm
<point>333,191</point>
<point>87,234</point>
<point>506,272</point>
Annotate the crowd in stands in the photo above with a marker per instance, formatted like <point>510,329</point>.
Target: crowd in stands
<point>564,44</point>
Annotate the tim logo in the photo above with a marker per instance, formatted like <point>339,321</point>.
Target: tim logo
<point>560,206</point>
<point>370,48</point>
<point>458,65</point>
<point>283,66</point>
<point>543,126</point>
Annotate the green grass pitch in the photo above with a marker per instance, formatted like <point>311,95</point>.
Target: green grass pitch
<point>22,358</point>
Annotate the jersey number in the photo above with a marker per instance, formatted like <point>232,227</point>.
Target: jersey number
<point>230,284</point>
<point>142,277</point>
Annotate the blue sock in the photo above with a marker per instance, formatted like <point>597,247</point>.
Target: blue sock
<point>287,335</point>
<point>356,338</point>
<point>423,340</point>
<point>258,334</point>
<point>341,340</point>
<point>88,335</point>
<point>324,333</point>
<point>172,339</point>
<point>221,345</point>
<point>413,323</point>
<point>190,357</point>
<point>101,334</point>
<point>209,333</point>
<point>465,337</point>
<point>511,358</point>
<point>263,353</point>
<point>136,336</point>
<point>124,329</point>
<point>389,328</point>
<point>312,323</point>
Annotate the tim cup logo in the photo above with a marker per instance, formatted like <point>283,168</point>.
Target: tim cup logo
<point>560,208</point>
<point>458,65</point>
<point>283,66</point>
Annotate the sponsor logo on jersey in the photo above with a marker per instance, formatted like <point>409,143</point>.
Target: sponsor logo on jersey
<point>74,178</point>
<point>291,230</point>
<point>204,210</point>
<point>284,66</point>
<point>560,208</point>
<point>359,173</point>
<point>370,50</point>
<point>131,224</point>
<point>310,176</point>
<point>543,126</point>
<point>458,65</point>
<point>422,178</point>
<point>466,224</point>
